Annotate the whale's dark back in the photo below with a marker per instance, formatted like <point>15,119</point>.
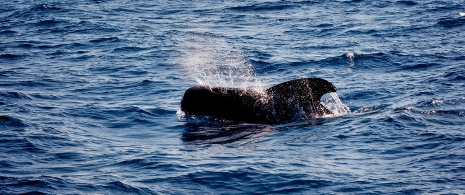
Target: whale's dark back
<point>227,103</point>
<point>280,103</point>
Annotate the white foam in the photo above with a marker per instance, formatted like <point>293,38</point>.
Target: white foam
<point>462,14</point>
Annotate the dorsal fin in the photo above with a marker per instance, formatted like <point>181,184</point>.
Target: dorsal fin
<point>301,92</point>
<point>317,86</point>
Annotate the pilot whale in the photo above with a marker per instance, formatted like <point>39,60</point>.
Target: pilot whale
<point>291,100</point>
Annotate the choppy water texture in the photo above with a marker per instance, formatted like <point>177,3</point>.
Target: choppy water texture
<point>89,92</point>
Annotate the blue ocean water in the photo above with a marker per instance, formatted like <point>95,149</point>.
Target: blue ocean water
<point>90,92</point>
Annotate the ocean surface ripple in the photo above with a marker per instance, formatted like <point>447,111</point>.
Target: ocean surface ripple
<point>90,92</point>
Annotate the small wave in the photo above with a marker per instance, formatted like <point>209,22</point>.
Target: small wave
<point>284,20</point>
<point>7,122</point>
<point>117,187</point>
<point>26,186</point>
<point>92,27</point>
<point>217,132</point>
<point>262,65</point>
<point>45,7</point>
<point>136,163</point>
<point>440,102</point>
<point>35,185</point>
<point>407,3</point>
<point>122,10</point>
<point>15,95</point>
<point>35,11</point>
<point>246,180</point>
<point>141,29</point>
<point>455,76</point>
<point>351,62</point>
<point>457,112</point>
<point>105,39</point>
<point>25,45</point>
<point>78,58</point>
<point>160,112</point>
<point>446,112</point>
<point>9,56</point>
<point>43,46</point>
<point>134,109</point>
<point>121,117</point>
<point>377,57</point>
<point>145,82</point>
<point>263,7</point>
<point>143,163</point>
<point>451,23</point>
<point>99,1</point>
<point>5,164</point>
<point>7,73</point>
<point>14,145</point>
<point>25,83</point>
<point>7,32</point>
<point>51,22</point>
<point>371,109</point>
<point>355,60</point>
<point>437,112</point>
<point>421,66</point>
<point>129,49</point>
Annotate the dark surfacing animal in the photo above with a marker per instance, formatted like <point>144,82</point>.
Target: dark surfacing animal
<point>291,100</point>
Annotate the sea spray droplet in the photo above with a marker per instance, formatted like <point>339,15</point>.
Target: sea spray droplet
<point>215,63</point>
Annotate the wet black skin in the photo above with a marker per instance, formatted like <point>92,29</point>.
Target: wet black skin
<point>280,103</point>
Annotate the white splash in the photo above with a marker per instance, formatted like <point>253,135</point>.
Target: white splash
<point>181,115</point>
<point>215,63</point>
<point>350,56</point>
<point>332,102</point>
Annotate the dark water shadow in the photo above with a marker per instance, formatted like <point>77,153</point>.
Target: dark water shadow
<point>223,133</point>
<point>217,132</point>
